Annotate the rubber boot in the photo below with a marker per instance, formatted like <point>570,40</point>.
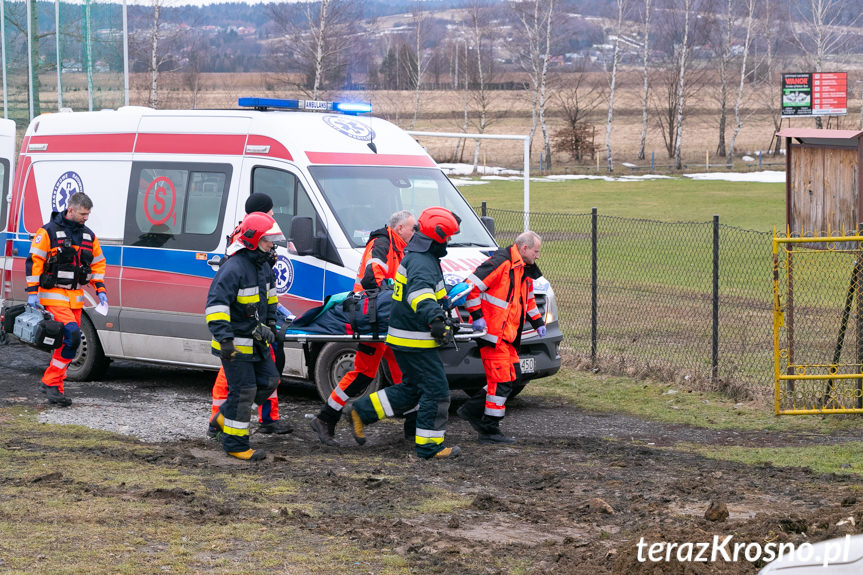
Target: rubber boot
<point>278,427</point>
<point>56,397</point>
<point>326,432</point>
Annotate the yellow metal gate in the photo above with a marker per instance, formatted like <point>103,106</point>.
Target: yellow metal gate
<point>817,325</point>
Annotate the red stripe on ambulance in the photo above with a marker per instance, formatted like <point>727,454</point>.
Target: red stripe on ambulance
<point>82,144</point>
<point>215,144</point>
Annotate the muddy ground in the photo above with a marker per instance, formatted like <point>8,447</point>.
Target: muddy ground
<point>575,495</point>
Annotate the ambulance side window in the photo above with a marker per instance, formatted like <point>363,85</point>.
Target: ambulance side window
<point>177,206</point>
<point>288,194</point>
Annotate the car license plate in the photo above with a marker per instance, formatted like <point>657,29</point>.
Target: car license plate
<point>528,364</point>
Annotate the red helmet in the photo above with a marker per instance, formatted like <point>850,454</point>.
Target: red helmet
<point>257,226</point>
<point>438,223</point>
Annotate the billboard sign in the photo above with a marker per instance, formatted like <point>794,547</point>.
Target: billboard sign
<point>814,94</point>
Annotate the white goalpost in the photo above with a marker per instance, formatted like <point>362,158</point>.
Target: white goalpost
<point>526,154</point>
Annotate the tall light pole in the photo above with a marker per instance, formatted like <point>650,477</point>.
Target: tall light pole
<point>3,50</point>
<point>59,58</point>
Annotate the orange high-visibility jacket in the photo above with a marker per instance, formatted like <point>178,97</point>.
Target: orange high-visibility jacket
<point>45,249</point>
<point>503,295</point>
<point>384,251</point>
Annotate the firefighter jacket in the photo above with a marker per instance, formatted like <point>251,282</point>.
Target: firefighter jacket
<point>384,251</point>
<point>417,293</point>
<point>503,295</point>
<point>241,298</point>
<point>64,256</point>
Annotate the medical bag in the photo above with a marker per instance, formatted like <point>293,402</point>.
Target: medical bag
<point>38,328</point>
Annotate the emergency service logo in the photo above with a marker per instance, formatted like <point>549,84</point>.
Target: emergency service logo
<point>68,184</point>
<point>350,127</point>
<point>284,271</point>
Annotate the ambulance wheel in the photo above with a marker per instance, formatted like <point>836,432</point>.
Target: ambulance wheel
<point>334,361</point>
<point>90,361</point>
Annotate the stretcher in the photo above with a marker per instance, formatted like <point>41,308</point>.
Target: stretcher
<point>465,333</point>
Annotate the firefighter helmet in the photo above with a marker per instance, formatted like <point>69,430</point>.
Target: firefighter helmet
<point>257,226</point>
<point>438,223</point>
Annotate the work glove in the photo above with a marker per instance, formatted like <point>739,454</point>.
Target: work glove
<point>103,298</point>
<point>264,333</point>
<point>440,330</point>
<point>33,300</point>
<point>479,324</point>
<point>227,349</point>
<point>540,331</point>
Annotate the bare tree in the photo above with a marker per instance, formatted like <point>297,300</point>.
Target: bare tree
<point>726,39</point>
<point>644,73</point>
<point>159,45</point>
<point>681,101</point>
<point>483,72</point>
<point>621,6</point>
<point>744,74</point>
<point>536,24</point>
<point>577,100</point>
<point>419,18</point>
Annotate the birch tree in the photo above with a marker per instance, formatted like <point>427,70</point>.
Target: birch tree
<point>483,71</point>
<point>681,82</point>
<point>744,75</point>
<point>645,55</point>
<point>614,63</point>
<point>419,17</point>
<point>726,40</point>
<point>536,24</point>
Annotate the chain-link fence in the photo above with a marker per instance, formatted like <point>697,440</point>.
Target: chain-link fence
<point>689,300</point>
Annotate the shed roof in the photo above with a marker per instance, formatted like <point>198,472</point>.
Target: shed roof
<point>849,138</point>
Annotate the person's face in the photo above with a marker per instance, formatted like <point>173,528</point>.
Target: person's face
<point>405,230</point>
<point>77,214</point>
<point>530,254</point>
<point>265,245</point>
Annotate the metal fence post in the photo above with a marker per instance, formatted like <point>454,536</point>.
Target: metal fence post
<point>483,210</point>
<point>593,234</point>
<point>714,360</point>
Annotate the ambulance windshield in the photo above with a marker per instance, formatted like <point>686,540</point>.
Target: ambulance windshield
<point>364,197</point>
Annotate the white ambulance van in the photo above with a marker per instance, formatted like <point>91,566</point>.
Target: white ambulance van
<point>169,185</point>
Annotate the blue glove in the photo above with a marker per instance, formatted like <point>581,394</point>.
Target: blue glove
<point>103,298</point>
<point>479,324</point>
<point>540,331</point>
<point>458,294</point>
<point>33,300</point>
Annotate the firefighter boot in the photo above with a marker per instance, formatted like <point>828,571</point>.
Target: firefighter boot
<point>490,432</point>
<point>278,427</point>
<point>356,426</point>
<point>249,454</point>
<point>216,425</point>
<point>447,453</point>
<point>326,431</point>
<point>56,397</point>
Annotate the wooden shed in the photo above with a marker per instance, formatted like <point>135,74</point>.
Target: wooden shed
<point>822,171</point>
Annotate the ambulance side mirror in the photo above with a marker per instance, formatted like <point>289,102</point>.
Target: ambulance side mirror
<point>302,235</point>
<point>488,222</point>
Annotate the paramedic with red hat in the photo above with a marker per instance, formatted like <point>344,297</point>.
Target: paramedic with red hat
<point>417,328</point>
<point>384,251</point>
<point>241,315</point>
<point>268,411</point>
<point>64,257</point>
<point>501,298</point>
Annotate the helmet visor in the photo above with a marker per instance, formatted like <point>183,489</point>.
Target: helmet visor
<point>275,235</point>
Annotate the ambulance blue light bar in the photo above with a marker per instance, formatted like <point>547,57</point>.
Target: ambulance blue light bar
<point>308,105</point>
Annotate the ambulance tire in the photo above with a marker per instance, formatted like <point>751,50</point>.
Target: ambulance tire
<point>333,362</point>
<point>90,361</point>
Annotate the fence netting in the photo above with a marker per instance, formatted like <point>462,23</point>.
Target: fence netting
<point>655,298</point>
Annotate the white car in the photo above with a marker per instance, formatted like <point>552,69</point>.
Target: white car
<point>842,556</point>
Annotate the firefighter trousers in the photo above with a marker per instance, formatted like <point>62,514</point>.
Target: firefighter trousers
<point>424,385</point>
<point>55,374</point>
<point>248,382</point>
<point>355,382</point>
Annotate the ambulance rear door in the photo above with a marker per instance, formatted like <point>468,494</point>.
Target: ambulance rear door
<point>7,163</point>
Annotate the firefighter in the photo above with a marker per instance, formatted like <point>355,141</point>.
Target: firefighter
<point>65,256</point>
<point>417,328</point>
<point>268,411</point>
<point>501,298</point>
<point>241,315</point>
<point>381,258</point>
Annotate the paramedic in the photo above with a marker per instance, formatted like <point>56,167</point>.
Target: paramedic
<point>501,298</point>
<point>241,315</point>
<point>268,412</point>
<point>64,256</point>
<point>384,252</point>
<point>417,328</point>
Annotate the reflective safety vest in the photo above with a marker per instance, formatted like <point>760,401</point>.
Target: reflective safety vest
<point>64,256</point>
<point>241,297</point>
<point>384,251</point>
<point>503,295</point>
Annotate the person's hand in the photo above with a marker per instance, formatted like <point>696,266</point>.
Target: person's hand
<point>479,324</point>
<point>264,333</point>
<point>540,331</point>
<point>439,330</point>
<point>33,300</point>
<point>227,349</point>
<point>103,298</point>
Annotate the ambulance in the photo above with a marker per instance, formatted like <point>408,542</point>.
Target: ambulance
<point>169,185</point>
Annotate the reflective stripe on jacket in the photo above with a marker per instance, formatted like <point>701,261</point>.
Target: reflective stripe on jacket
<point>242,296</point>
<point>46,244</point>
<point>503,295</point>
<point>384,251</point>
